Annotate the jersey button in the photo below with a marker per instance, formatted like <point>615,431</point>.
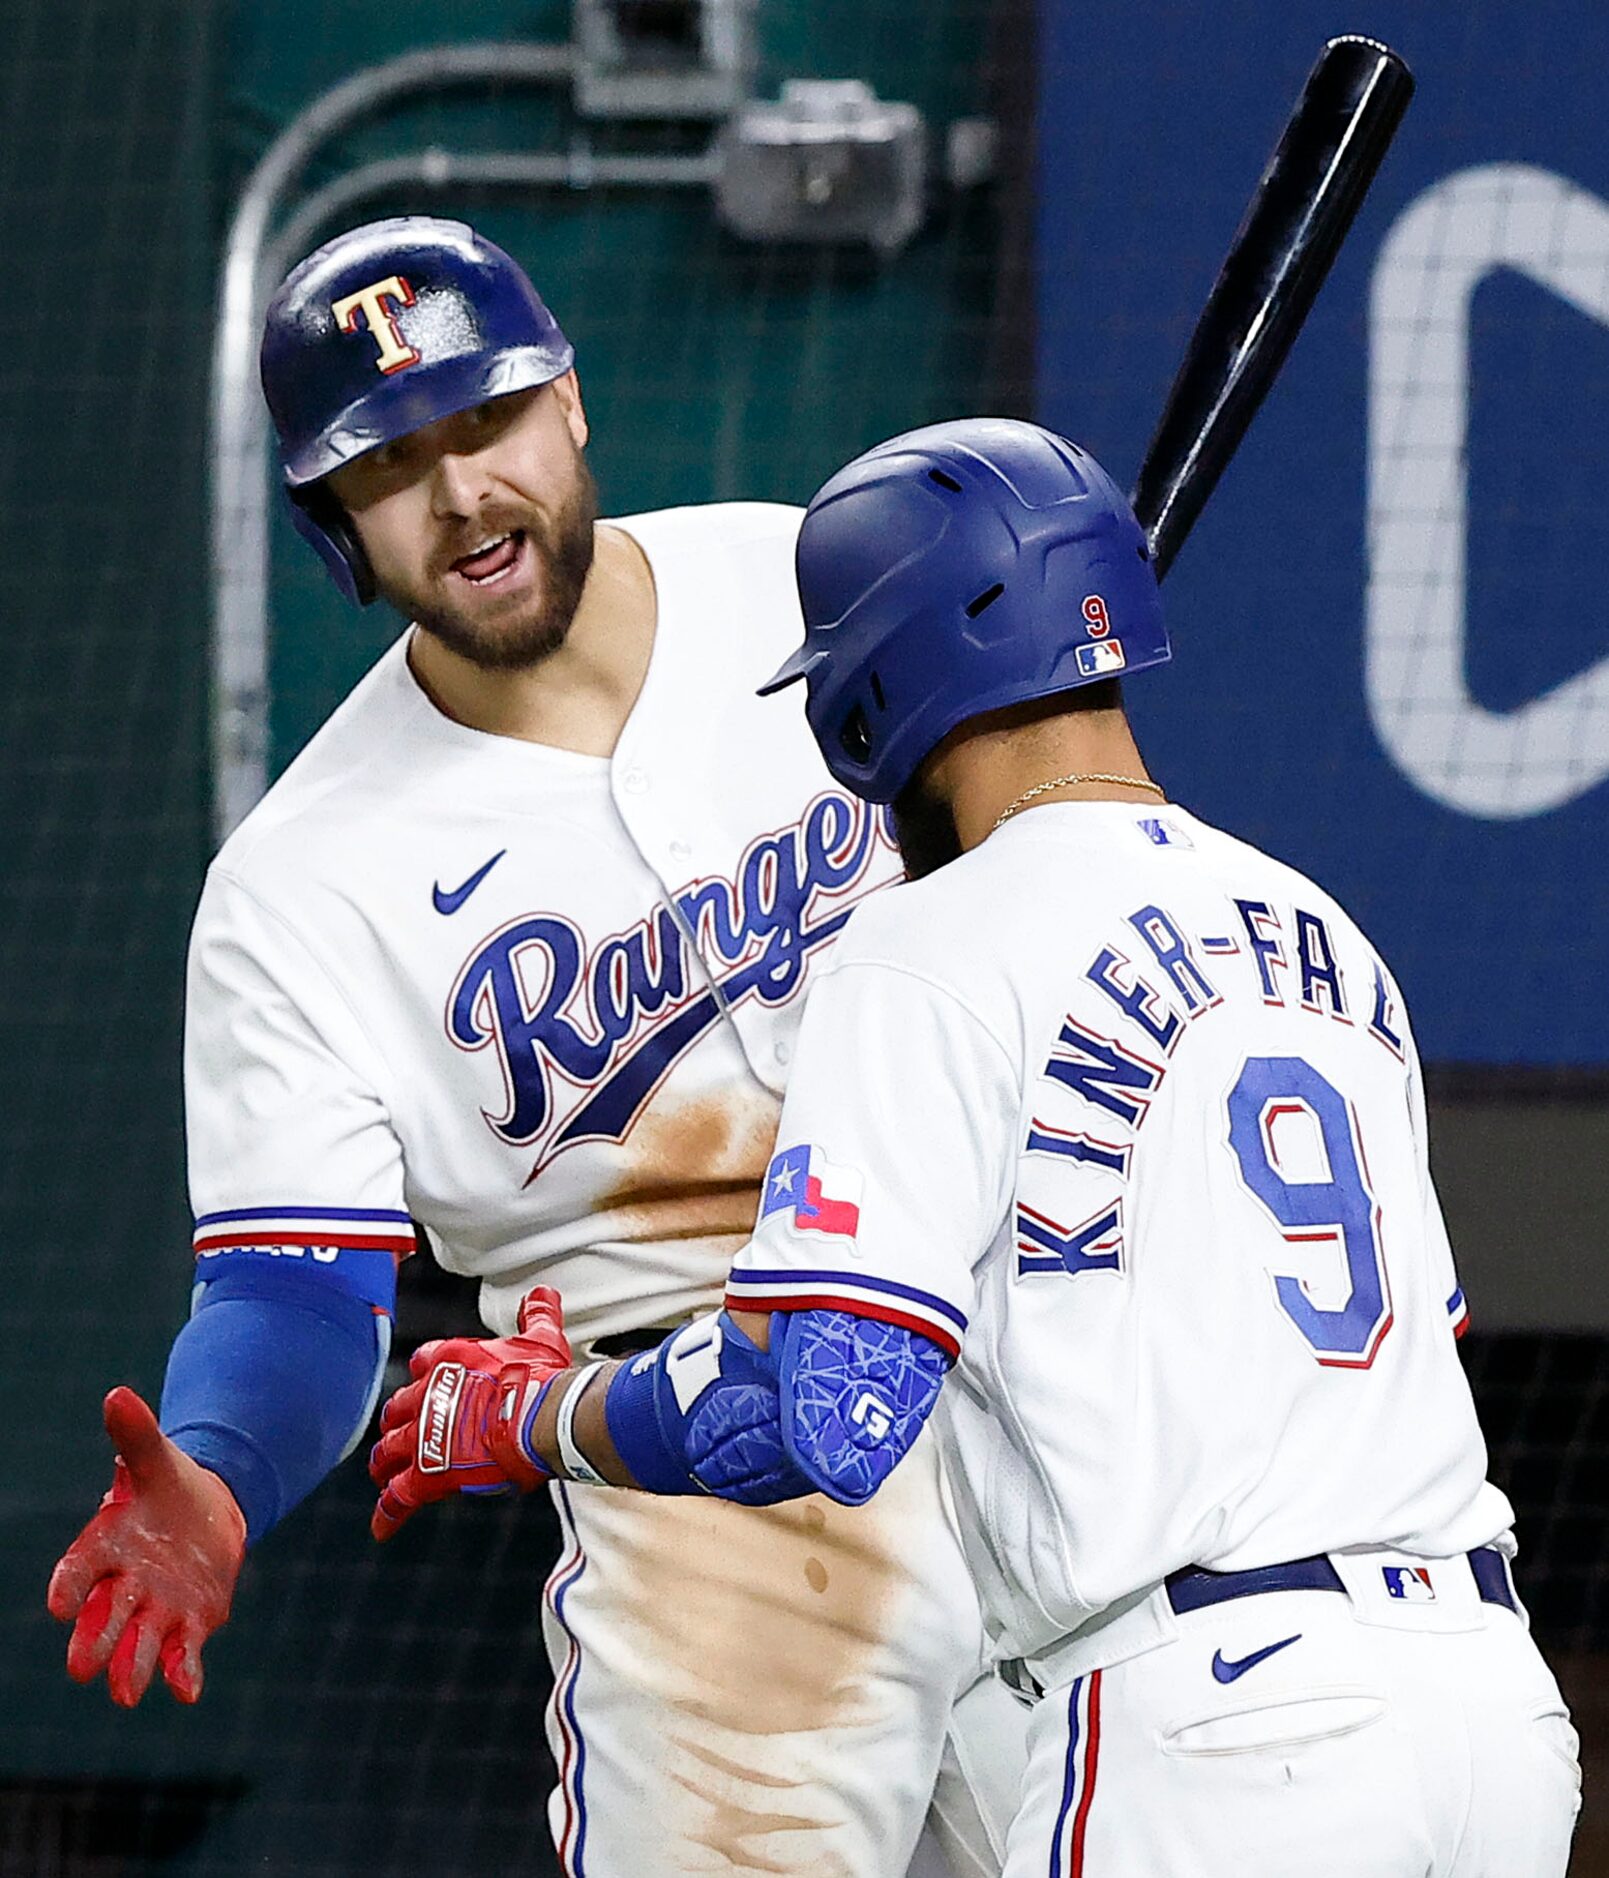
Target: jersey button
<point>781,1051</point>
<point>680,850</point>
<point>635,781</point>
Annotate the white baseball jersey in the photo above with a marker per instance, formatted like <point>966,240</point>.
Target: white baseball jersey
<point>1129,1114</point>
<point>540,1003</point>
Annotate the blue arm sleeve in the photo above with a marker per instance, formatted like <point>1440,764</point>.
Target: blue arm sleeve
<point>275,1376</point>
<point>831,1407</point>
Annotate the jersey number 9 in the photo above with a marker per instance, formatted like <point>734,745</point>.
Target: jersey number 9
<point>1284,1100</point>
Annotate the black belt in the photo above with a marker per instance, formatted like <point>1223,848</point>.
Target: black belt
<point>633,1342</point>
<point>1194,1588</point>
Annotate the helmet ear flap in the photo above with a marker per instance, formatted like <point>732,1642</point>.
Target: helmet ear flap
<point>321,520</point>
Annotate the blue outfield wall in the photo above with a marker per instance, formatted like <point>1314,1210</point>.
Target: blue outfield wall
<point>1391,666</point>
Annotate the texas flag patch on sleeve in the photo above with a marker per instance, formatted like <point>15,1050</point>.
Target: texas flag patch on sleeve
<point>816,1195</point>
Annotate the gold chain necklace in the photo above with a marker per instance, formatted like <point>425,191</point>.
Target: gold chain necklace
<point>1063,782</point>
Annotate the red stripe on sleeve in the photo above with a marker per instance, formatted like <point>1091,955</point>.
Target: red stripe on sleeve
<point>399,1243</point>
<point>856,1307</point>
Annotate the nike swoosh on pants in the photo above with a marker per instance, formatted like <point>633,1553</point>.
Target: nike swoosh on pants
<point>1228,1670</point>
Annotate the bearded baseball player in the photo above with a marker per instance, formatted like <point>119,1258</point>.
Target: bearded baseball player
<point>1117,1124</point>
<point>514,955</point>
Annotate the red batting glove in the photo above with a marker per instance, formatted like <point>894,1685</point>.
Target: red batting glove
<point>451,1430</point>
<point>152,1575</point>
<point>543,1356</point>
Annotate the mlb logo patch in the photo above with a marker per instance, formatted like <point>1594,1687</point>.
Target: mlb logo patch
<point>1096,660</point>
<point>1163,834</point>
<point>1410,1583</point>
<point>816,1195</point>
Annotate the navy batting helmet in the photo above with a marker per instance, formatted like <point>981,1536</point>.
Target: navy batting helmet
<point>380,332</point>
<point>955,570</point>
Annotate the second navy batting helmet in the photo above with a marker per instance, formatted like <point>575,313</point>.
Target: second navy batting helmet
<point>381,331</point>
<point>955,570</point>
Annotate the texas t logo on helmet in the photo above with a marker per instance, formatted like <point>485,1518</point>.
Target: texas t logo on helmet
<point>379,320</point>
<point>412,291</point>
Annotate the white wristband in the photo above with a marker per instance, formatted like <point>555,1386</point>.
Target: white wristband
<point>576,1464</point>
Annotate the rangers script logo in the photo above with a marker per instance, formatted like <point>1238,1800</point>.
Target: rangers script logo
<point>615,1019</point>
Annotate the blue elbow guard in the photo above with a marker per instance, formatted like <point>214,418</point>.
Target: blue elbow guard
<point>275,1376</point>
<point>830,1407</point>
<point>855,1393</point>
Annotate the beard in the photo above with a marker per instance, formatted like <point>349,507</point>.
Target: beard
<point>924,828</point>
<point>561,544</point>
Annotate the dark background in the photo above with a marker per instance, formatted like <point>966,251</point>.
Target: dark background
<point>382,1712</point>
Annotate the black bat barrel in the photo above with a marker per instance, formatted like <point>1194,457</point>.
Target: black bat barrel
<point>1310,192</point>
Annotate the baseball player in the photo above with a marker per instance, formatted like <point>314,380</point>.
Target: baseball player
<point>513,956</point>
<point>1120,1121</point>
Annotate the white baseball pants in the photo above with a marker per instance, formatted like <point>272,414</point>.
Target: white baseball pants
<point>1312,1733</point>
<point>793,1690</point>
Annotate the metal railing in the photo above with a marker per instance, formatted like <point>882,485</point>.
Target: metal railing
<point>256,258</point>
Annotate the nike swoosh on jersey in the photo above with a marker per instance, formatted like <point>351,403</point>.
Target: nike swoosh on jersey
<point>450,902</point>
<point>1228,1670</point>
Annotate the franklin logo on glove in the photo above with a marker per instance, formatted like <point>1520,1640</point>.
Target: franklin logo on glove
<point>446,1386</point>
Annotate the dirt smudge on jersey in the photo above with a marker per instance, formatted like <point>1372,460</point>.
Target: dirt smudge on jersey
<point>693,1171</point>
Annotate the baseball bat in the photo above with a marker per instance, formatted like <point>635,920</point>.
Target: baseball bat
<point>1292,230</point>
